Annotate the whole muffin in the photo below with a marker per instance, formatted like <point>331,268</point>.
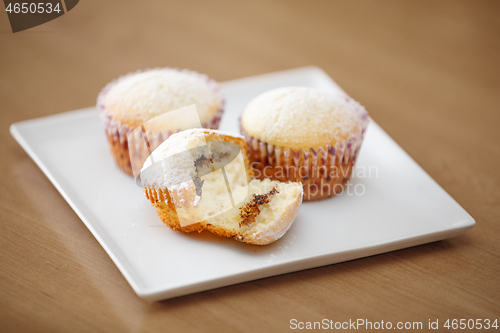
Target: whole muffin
<point>304,135</point>
<point>132,100</point>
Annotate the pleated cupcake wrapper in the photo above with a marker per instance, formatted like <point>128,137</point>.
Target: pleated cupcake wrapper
<point>120,132</point>
<point>313,161</point>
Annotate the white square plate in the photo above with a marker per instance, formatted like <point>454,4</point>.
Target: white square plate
<point>400,205</point>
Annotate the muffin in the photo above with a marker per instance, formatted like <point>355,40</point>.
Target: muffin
<point>304,135</point>
<point>134,99</point>
<point>200,179</point>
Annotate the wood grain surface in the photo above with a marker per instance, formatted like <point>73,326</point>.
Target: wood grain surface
<point>427,71</point>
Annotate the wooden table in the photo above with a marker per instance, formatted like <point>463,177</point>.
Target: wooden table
<point>428,73</point>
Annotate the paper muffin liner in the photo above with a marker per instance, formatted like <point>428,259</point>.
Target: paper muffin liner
<point>323,172</point>
<point>118,133</point>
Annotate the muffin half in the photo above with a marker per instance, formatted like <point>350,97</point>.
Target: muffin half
<point>200,179</point>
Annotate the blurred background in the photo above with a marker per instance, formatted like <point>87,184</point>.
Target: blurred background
<point>427,71</point>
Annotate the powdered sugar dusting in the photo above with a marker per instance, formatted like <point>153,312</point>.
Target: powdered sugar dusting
<point>301,117</point>
<point>166,167</point>
<point>181,186</point>
<point>138,97</point>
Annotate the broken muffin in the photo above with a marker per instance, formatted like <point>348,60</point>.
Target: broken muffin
<point>200,179</point>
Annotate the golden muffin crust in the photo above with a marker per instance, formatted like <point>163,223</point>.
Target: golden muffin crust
<point>303,118</point>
